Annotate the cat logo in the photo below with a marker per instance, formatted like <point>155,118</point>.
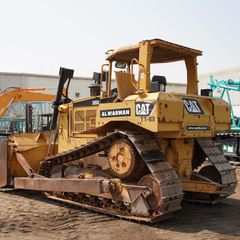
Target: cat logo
<point>192,106</point>
<point>143,108</point>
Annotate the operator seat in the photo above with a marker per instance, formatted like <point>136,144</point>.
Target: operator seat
<point>125,84</point>
<point>158,84</point>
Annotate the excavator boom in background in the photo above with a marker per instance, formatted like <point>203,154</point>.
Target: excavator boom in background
<point>27,96</point>
<point>15,95</point>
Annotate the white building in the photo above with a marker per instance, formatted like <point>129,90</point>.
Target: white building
<point>78,87</point>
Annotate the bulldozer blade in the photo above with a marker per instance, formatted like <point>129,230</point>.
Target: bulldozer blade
<point>90,186</point>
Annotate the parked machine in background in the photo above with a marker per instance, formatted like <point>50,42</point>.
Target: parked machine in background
<point>229,141</point>
<point>20,107</point>
<point>132,151</point>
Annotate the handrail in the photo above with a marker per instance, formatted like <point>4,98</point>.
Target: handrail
<point>131,72</point>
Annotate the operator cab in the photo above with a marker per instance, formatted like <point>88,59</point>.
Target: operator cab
<point>142,56</point>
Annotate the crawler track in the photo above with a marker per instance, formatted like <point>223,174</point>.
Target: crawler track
<point>226,172</point>
<point>234,157</point>
<point>168,184</point>
<point>218,169</point>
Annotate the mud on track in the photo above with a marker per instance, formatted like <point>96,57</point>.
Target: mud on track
<point>28,215</point>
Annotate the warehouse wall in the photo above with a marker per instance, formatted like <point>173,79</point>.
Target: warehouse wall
<point>50,82</point>
<point>176,87</point>
<point>78,87</point>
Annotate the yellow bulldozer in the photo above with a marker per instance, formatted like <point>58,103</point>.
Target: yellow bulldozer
<point>134,151</point>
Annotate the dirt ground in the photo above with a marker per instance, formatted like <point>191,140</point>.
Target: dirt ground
<point>28,215</point>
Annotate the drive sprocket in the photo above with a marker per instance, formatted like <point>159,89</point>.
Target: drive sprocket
<point>124,161</point>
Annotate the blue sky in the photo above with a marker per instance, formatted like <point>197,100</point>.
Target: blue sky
<point>42,35</point>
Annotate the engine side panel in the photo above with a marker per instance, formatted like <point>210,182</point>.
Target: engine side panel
<point>172,115</point>
<point>169,115</point>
